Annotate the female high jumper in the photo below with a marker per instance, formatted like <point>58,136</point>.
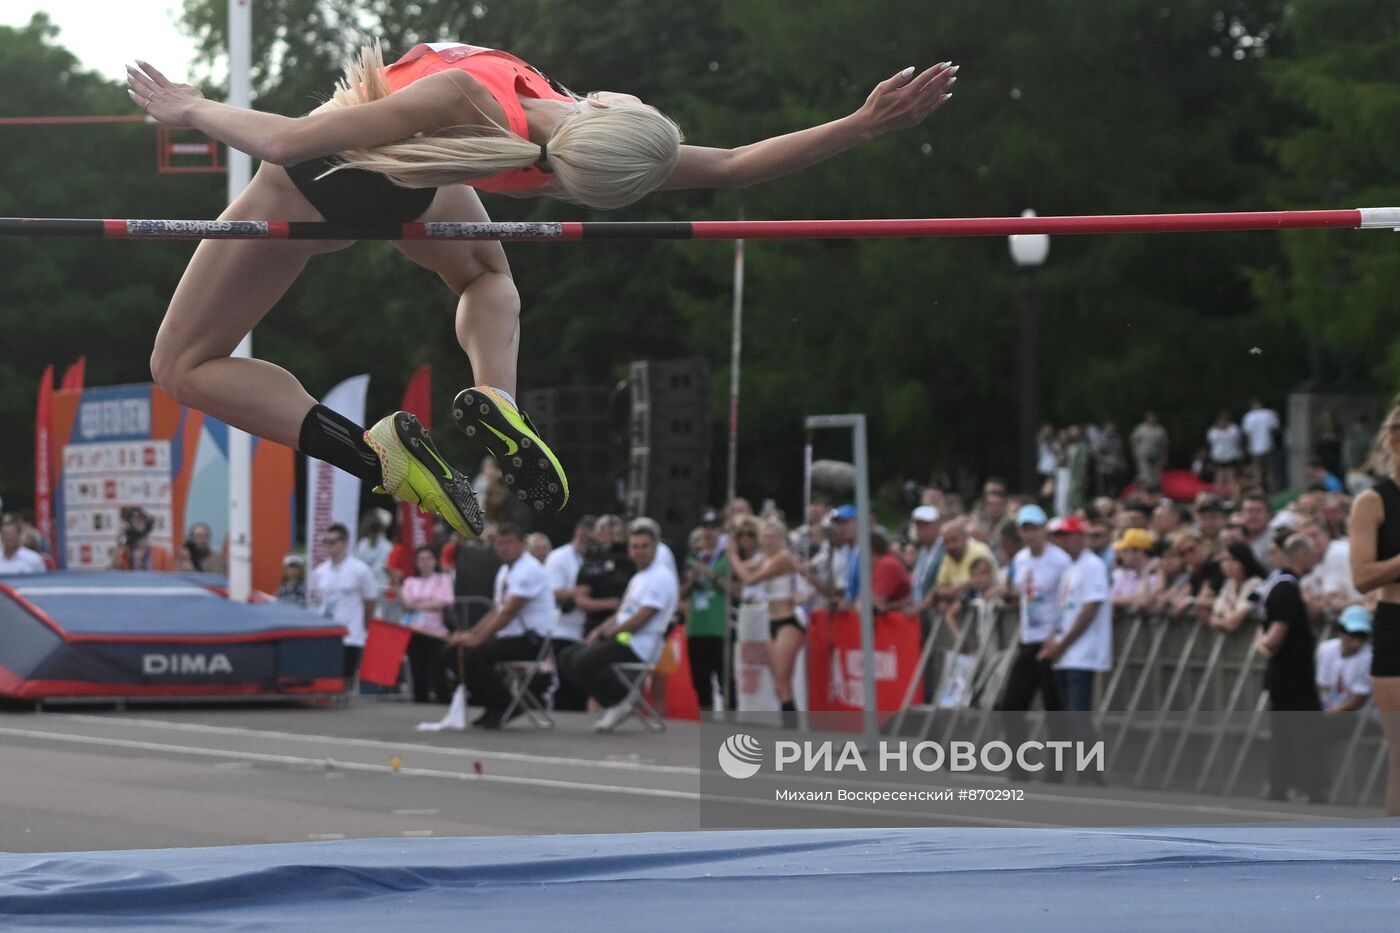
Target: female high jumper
<point>414,142</point>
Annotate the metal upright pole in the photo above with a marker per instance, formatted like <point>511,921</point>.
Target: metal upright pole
<point>731,489</point>
<point>1030,381</point>
<point>240,447</point>
<point>735,353</point>
<point>864,602</point>
<point>867,606</point>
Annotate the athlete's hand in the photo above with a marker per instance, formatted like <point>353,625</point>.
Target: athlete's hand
<point>905,99</point>
<point>162,98</point>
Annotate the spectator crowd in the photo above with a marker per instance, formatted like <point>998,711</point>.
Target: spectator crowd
<point>1098,537</point>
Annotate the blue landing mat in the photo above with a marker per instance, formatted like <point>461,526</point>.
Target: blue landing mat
<point>1277,877</point>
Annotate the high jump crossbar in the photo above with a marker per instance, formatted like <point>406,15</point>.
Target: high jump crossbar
<point>1356,218</point>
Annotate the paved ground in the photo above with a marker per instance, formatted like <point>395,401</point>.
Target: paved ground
<point>165,776</point>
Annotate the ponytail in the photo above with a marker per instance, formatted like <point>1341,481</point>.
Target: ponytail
<point>600,157</point>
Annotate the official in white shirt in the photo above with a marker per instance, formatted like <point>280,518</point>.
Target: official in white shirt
<point>634,633</point>
<point>343,589</point>
<point>521,617</point>
<point>562,567</point>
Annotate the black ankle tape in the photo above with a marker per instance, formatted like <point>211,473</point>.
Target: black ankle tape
<point>330,436</point>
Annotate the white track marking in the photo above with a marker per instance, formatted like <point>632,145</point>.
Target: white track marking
<point>1040,796</point>
<point>202,752</point>
<point>309,763</point>
<point>110,591</point>
<point>456,752</point>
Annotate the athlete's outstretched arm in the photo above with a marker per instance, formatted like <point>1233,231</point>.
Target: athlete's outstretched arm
<point>438,101</point>
<point>896,103</point>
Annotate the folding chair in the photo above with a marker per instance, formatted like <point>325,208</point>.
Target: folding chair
<point>633,675</point>
<point>518,677</point>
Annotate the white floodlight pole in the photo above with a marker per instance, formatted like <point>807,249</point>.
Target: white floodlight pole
<point>240,446</point>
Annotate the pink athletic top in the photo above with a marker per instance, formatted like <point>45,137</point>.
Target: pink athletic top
<point>501,73</point>
<point>435,588</point>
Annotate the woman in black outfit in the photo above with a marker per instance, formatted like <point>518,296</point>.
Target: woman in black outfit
<point>1374,529</point>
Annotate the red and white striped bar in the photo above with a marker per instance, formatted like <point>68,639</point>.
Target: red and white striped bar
<point>1361,219</point>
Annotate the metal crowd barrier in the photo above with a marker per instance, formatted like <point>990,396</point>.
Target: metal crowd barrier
<point>1183,708</point>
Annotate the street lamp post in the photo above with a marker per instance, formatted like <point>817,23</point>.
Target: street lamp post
<point>1028,251</point>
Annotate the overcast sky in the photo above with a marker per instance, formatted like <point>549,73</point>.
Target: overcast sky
<point>105,35</point>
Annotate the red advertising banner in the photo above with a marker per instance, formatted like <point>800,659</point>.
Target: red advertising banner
<point>416,530</point>
<point>75,375</point>
<point>836,669</point>
<point>43,466</point>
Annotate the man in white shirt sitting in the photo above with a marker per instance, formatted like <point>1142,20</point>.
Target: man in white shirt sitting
<point>1344,663</point>
<point>14,557</point>
<point>634,633</point>
<point>520,619</point>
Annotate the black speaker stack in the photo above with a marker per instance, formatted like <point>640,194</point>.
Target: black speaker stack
<point>582,430</point>
<point>668,477</point>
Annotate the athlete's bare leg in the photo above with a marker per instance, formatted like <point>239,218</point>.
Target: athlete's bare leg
<point>783,654</point>
<point>227,288</point>
<point>488,306</point>
<point>1387,694</point>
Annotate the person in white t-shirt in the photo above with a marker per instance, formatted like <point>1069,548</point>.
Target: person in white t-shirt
<point>1226,442</point>
<point>1329,585</point>
<point>1344,663</point>
<point>1082,643</point>
<point>343,589</point>
<point>1034,580</point>
<point>14,557</point>
<point>373,545</point>
<point>634,633</point>
<point>562,566</point>
<point>521,618</point>
<point>1259,425</point>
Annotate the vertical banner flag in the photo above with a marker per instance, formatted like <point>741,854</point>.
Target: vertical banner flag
<point>43,469</point>
<point>333,495</point>
<point>75,376</point>
<point>415,529</point>
<point>835,666</point>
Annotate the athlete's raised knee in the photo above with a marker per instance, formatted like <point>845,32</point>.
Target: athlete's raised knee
<point>164,372</point>
<point>171,371</point>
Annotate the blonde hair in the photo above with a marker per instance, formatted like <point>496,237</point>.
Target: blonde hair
<point>774,526</point>
<point>1382,461</point>
<point>601,156</point>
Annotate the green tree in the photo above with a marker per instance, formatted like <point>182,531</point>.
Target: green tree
<point>61,299</point>
<point>1340,150</point>
<point>1098,107</point>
